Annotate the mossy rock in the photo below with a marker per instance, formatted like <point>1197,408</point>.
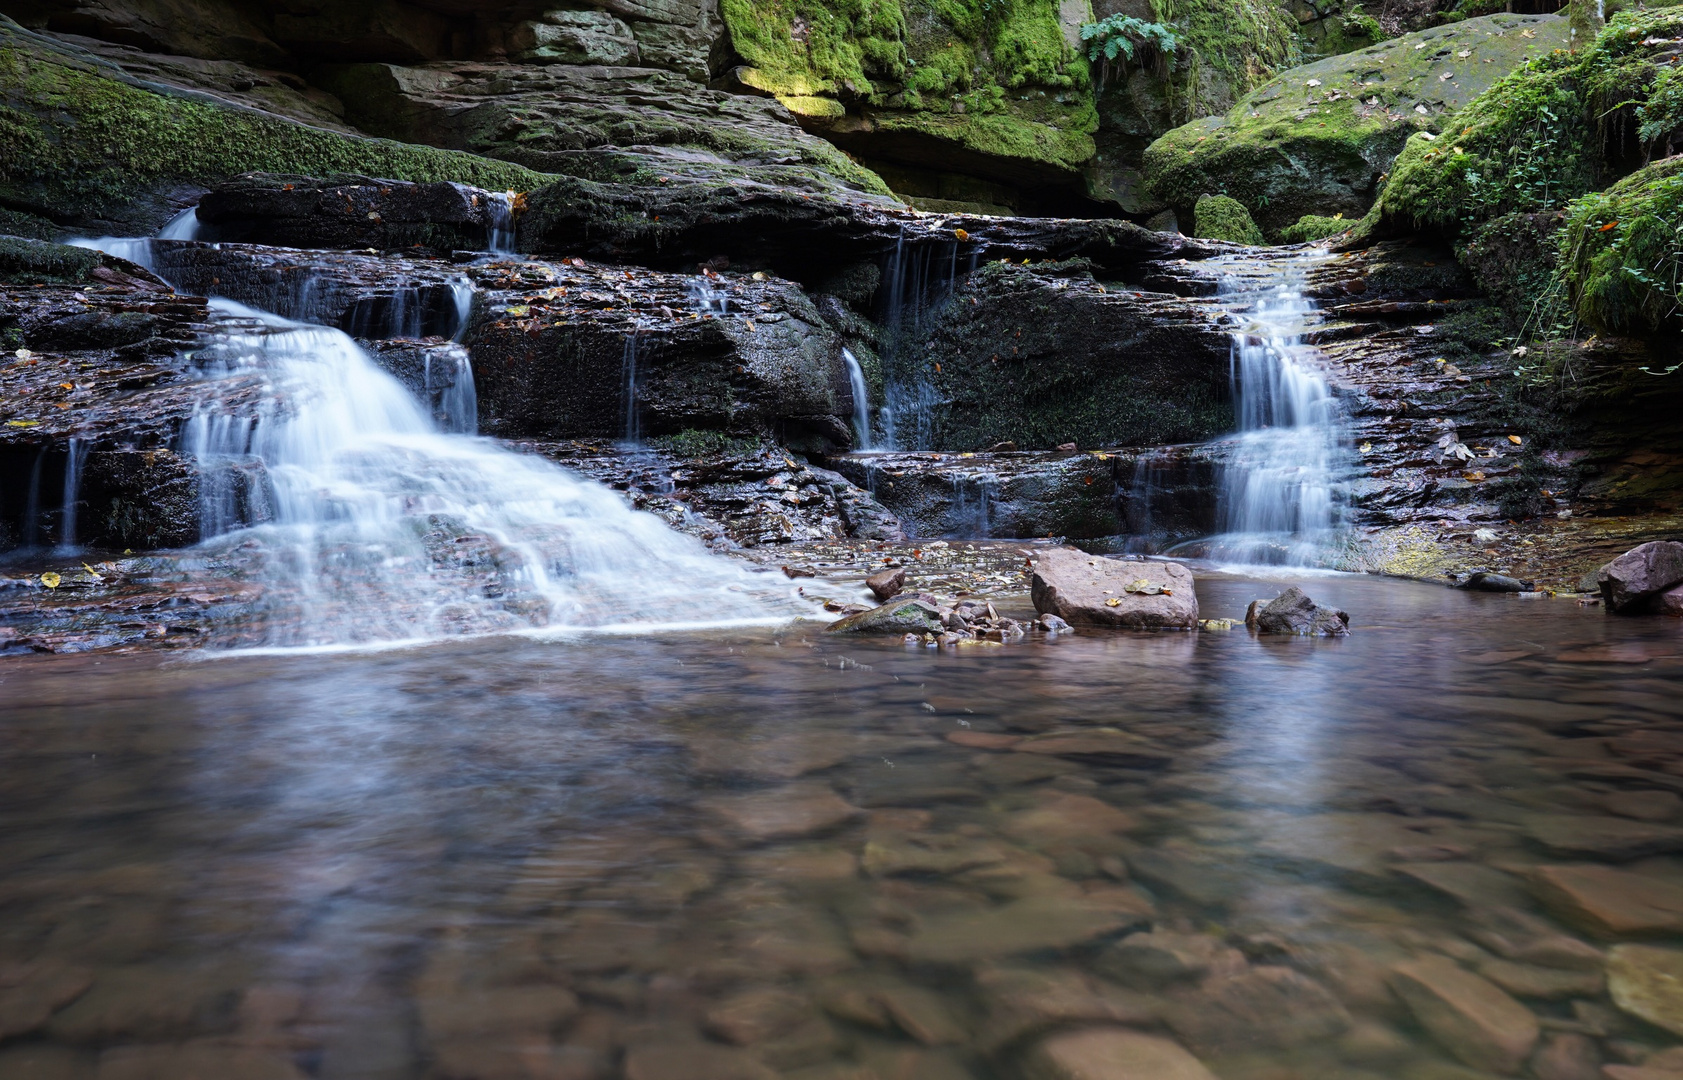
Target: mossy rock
<point>84,145</point>
<point>1622,256</point>
<point>33,262</point>
<point>1319,138</point>
<point>1558,127</point>
<point>1221,217</point>
<point>1313,227</point>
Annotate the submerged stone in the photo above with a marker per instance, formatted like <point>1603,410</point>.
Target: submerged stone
<point>1114,1054</point>
<point>1472,1018</point>
<point>1647,982</point>
<point>1033,924</point>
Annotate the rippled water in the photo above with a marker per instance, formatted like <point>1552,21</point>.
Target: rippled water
<point>753,856</point>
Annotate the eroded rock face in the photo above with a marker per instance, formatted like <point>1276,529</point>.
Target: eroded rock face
<point>347,212</point>
<point>1087,590</point>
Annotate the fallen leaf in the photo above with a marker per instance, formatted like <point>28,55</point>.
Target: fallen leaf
<point>1367,448</point>
<point>23,423</point>
<point>50,580</point>
<point>1611,225</point>
<point>1464,53</point>
<point>23,354</point>
<point>1313,82</point>
<point>1115,601</point>
<point>1516,440</point>
<point>961,234</point>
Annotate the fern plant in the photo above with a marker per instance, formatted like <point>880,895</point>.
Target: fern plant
<point>1126,39</point>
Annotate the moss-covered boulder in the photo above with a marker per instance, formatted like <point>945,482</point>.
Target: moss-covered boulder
<point>1319,138</point>
<point>996,89</point>
<point>1622,250</point>
<point>84,146</point>
<point>1219,217</point>
<point>1562,125</point>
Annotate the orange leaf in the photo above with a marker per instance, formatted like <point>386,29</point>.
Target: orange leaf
<point>1608,227</point>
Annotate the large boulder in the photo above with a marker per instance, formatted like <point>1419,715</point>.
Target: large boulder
<point>1089,590</point>
<point>1319,138</point>
<point>1294,612</point>
<point>1642,572</point>
<point>88,147</point>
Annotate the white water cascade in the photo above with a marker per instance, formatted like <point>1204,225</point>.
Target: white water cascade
<point>1279,498</point>
<point>380,527</point>
<point>861,401</point>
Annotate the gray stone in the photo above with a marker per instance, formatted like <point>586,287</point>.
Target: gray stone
<point>575,37</point>
<point>1087,590</point>
<point>900,617</point>
<point>1483,581</point>
<point>1293,612</point>
<point>1471,1017</point>
<point>1639,573</point>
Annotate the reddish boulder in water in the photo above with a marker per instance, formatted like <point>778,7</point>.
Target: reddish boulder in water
<point>1644,571</point>
<point>1089,590</point>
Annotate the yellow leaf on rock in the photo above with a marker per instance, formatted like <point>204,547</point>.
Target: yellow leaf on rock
<point>23,423</point>
<point>1115,601</point>
<point>1516,440</point>
<point>50,580</point>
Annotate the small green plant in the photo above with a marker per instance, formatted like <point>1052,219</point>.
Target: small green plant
<point>1130,40</point>
<point>1660,118</point>
<point>1312,227</point>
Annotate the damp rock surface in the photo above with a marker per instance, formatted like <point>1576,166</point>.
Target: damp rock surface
<point>1088,590</point>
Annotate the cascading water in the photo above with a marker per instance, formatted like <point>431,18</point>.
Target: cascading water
<point>1279,490</point>
<point>500,237</point>
<point>630,430</point>
<point>380,527</point>
<point>861,401</point>
<point>918,278</point>
<point>71,503</point>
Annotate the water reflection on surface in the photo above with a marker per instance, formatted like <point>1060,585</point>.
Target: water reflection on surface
<point>786,855</point>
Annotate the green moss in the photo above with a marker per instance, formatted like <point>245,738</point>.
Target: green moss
<point>1554,129</point>
<point>1622,252</point>
<point>1513,259</point>
<point>1219,217</point>
<point>993,76</point>
<point>694,443</point>
<point>1319,138</point>
<point>1312,227</point>
<point>1224,48</point>
<point>71,138</point>
<point>31,262</point>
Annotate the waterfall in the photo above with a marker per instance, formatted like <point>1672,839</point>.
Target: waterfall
<point>32,505</point>
<point>500,237</point>
<point>861,401</point>
<point>709,299</point>
<point>631,430</point>
<point>73,463</point>
<point>380,527</point>
<point>140,250</point>
<point>918,278</point>
<point>1279,498</point>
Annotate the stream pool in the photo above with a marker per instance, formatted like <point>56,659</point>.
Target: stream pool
<point>771,853</point>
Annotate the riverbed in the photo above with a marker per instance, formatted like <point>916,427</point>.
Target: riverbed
<point>773,853</point>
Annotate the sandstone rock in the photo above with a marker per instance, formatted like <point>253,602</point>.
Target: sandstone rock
<point>1669,602</point>
<point>1640,573</point>
<point>196,1061</point>
<point>1266,1007</point>
<point>1608,902</point>
<point>1474,884</point>
<point>1293,612</point>
<point>1064,818</point>
<point>1647,982</point>
<point>756,1015</point>
<point>924,1015</point>
<point>345,212</point>
<point>575,37</point>
<point>1535,981</point>
<point>779,757</point>
<point>30,995</point>
<point>1098,746</point>
<point>1149,960</point>
<point>1023,1000</point>
<point>46,1061</point>
<point>782,813</point>
<point>1472,1018</point>
<point>893,854</point>
<point>887,583</point>
<point>1524,938</point>
<point>1087,590</point>
<point>1113,1054</point>
<point>1616,839</point>
<point>1029,925</point>
<point>1566,1055</point>
<point>900,617</point>
<point>693,1061</point>
<point>1645,805</point>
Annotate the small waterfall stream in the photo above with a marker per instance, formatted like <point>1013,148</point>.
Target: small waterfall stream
<point>861,401</point>
<point>1279,500</point>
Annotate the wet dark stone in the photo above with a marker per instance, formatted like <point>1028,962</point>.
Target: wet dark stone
<point>346,212</point>
<point>1497,583</point>
<point>1640,573</point>
<point>1293,612</point>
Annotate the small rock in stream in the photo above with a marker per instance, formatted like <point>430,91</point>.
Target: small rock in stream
<point>1293,612</point>
<point>902,617</point>
<point>1483,581</point>
<point>1647,982</point>
<point>887,584</point>
<point>1471,1017</point>
<point>1114,1054</point>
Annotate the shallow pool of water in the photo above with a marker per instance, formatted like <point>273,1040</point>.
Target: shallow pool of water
<point>781,854</point>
